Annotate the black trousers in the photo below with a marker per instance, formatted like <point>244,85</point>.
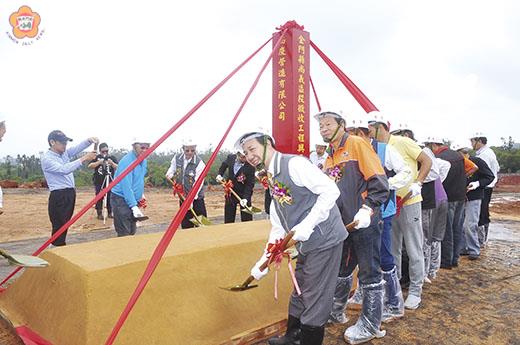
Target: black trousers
<point>267,201</point>
<point>200,209</point>
<point>61,209</point>
<point>230,210</point>
<point>99,204</point>
<point>484,207</point>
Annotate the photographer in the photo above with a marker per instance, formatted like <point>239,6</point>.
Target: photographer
<point>104,167</point>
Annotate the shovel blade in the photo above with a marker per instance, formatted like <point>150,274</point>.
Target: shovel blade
<point>205,221</point>
<point>27,261</point>
<point>196,222</point>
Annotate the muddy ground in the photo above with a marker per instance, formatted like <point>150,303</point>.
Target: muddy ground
<point>476,303</point>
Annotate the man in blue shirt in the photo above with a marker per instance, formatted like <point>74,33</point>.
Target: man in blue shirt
<point>58,171</point>
<point>129,191</point>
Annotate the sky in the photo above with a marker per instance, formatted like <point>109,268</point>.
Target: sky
<point>121,69</point>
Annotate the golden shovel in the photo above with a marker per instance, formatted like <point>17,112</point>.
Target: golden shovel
<point>247,209</point>
<point>197,220</point>
<point>24,260</point>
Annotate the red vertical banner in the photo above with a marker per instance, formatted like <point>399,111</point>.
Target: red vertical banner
<point>291,90</point>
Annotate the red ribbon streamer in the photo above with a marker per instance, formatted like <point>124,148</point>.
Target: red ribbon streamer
<point>315,94</point>
<point>228,186</point>
<point>360,97</point>
<point>178,189</point>
<point>138,161</point>
<point>276,253</point>
<point>170,232</point>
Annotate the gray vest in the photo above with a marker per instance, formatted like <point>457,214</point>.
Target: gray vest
<point>327,234</point>
<point>186,177</point>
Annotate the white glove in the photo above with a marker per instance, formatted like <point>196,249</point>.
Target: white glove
<point>415,188</point>
<point>219,178</point>
<point>137,212</point>
<point>301,233</point>
<point>473,185</point>
<point>257,274</point>
<point>243,202</point>
<point>363,217</point>
<point>170,176</point>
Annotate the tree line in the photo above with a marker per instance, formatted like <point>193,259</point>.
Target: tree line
<point>23,168</point>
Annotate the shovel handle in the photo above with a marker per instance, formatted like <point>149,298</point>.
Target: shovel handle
<point>236,196</point>
<point>248,281</point>
<point>182,200</point>
<point>351,227</point>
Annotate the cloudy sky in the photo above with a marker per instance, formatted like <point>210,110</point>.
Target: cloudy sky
<point>117,69</point>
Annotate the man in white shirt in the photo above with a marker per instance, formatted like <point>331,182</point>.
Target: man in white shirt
<point>303,203</point>
<point>185,169</point>
<point>479,144</point>
<point>319,156</point>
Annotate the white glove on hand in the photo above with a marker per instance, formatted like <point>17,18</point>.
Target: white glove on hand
<point>363,217</point>
<point>243,202</point>
<point>257,274</point>
<point>170,176</point>
<point>219,178</point>
<point>415,188</point>
<point>301,233</point>
<point>473,185</point>
<point>137,212</point>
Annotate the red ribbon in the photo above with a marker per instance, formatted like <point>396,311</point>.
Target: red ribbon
<point>178,190</point>
<point>275,254</point>
<point>142,203</point>
<point>228,186</point>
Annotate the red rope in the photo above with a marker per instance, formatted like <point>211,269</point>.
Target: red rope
<point>315,95</point>
<point>137,161</point>
<point>170,232</point>
<point>360,97</point>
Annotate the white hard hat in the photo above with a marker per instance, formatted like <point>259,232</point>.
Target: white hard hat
<point>251,135</point>
<point>376,117</point>
<point>320,142</point>
<point>188,142</point>
<point>433,140</point>
<point>400,126</point>
<point>456,146</point>
<point>478,135</point>
<point>322,114</point>
<point>361,121</point>
<point>139,140</point>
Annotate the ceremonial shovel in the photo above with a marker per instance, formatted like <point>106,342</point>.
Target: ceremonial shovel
<point>286,243</point>
<point>24,260</point>
<point>247,209</point>
<point>197,220</point>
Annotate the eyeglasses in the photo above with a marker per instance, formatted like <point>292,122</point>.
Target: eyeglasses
<point>104,151</point>
<point>145,147</point>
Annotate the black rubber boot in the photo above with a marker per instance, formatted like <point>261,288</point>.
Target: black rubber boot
<point>292,335</point>
<point>312,335</point>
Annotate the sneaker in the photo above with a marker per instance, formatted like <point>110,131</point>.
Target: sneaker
<point>473,257</point>
<point>412,302</point>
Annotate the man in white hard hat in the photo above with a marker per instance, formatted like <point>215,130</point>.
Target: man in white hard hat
<point>319,156</point>
<point>126,196</point>
<point>407,227</point>
<point>363,184</point>
<point>58,171</point>
<point>304,203</point>
<point>484,152</point>
<point>455,187</point>
<point>3,129</point>
<point>399,175</point>
<point>476,184</point>
<point>186,168</point>
<point>242,176</point>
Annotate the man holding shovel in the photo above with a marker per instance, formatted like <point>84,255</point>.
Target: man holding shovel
<point>303,206</point>
<point>185,169</point>
<point>241,175</point>
<point>127,195</point>
<point>359,175</point>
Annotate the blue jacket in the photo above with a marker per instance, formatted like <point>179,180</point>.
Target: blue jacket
<point>131,188</point>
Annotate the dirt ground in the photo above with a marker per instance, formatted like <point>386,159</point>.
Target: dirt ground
<point>476,303</point>
<point>25,211</point>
